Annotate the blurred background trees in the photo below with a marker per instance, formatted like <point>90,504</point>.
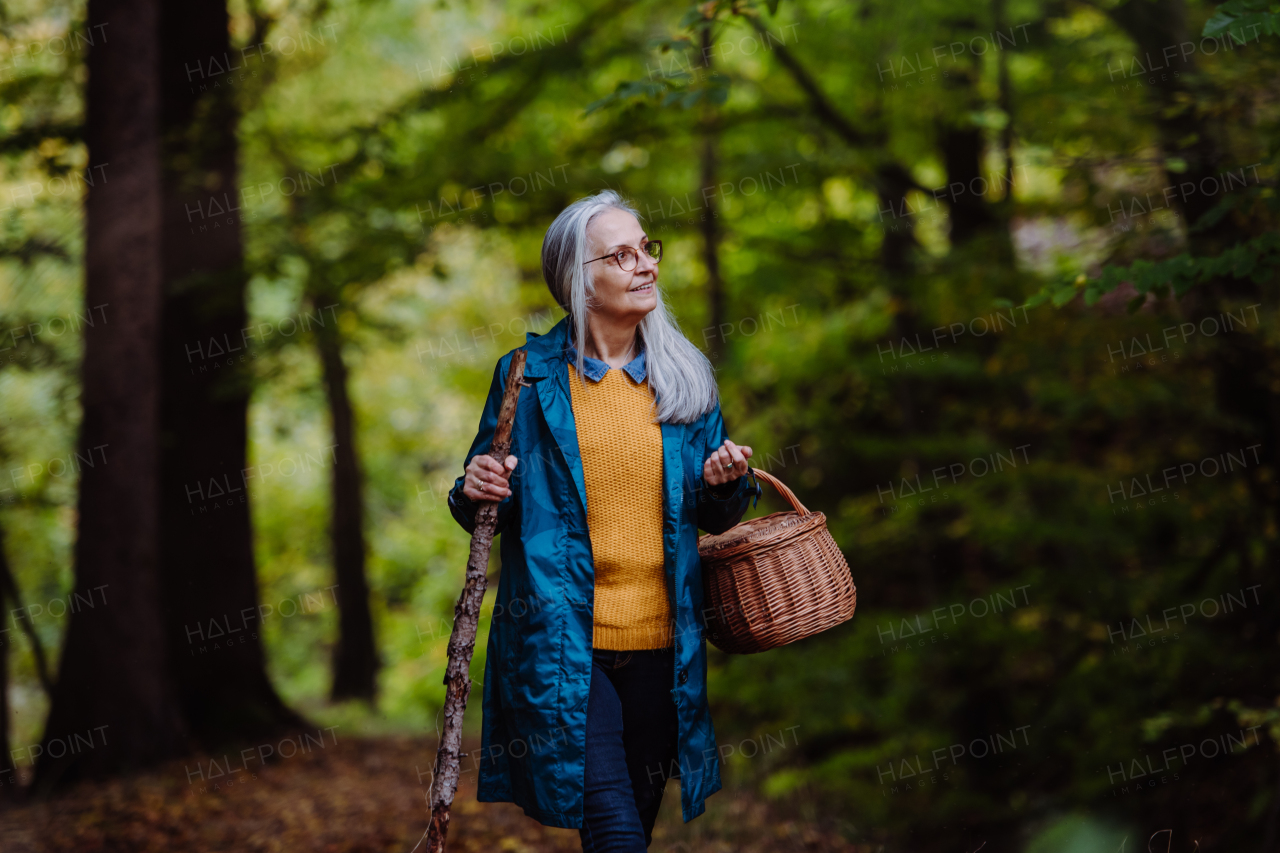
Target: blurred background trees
<point>976,277</point>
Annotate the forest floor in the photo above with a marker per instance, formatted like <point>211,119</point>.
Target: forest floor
<point>357,796</point>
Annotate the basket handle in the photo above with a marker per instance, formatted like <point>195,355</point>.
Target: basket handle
<point>782,489</point>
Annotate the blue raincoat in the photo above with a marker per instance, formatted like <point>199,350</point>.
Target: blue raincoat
<point>537,672</point>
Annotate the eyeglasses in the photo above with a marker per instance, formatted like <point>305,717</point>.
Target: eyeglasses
<point>628,257</point>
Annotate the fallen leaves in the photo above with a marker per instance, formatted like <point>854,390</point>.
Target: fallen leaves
<point>355,796</point>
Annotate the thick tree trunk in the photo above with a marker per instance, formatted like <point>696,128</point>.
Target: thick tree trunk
<point>209,584</point>
<point>112,706</point>
<point>355,657</point>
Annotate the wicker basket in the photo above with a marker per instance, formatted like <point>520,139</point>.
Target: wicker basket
<point>774,580</point>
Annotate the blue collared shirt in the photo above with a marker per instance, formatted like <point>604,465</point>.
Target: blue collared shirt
<point>595,369</point>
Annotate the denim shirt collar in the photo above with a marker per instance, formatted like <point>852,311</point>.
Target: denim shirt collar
<point>595,369</point>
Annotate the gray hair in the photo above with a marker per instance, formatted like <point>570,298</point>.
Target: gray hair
<point>681,377</point>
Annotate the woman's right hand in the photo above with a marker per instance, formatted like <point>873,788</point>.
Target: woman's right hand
<point>486,480</point>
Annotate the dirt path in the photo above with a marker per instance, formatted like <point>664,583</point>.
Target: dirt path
<point>356,796</point>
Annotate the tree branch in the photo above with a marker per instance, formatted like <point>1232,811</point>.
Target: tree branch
<point>10,591</point>
<point>822,106</point>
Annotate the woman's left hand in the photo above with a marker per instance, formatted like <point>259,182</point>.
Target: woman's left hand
<point>728,462</point>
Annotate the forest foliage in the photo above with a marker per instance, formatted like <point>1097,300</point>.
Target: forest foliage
<point>991,284</point>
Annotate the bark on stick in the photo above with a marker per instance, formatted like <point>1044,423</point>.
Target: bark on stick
<point>462,641</point>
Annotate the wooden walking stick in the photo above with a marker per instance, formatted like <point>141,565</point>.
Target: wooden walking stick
<point>466,618</point>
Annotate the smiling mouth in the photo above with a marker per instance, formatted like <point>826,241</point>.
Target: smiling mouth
<point>642,288</point>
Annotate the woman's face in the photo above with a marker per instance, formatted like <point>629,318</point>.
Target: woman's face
<point>621,296</point>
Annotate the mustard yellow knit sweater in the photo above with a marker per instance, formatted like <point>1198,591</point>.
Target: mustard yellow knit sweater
<point>621,449</point>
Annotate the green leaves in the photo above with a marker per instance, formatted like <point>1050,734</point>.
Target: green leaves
<point>665,45</point>
<point>1244,20</point>
<point>676,89</point>
<point>627,90</point>
<point>695,18</point>
<point>683,88</point>
<point>1257,259</point>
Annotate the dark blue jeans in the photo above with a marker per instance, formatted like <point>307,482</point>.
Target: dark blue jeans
<point>631,748</point>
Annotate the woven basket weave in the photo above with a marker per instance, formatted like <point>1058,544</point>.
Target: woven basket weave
<point>774,580</point>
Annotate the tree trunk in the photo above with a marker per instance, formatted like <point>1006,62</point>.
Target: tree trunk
<point>8,776</point>
<point>962,149</point>
<point>113,708</point>
<point>209,583</point>
<point>1183,131</point>
<point>893,182</point>
<point>1005,85</point>
<point>710,225</point>
<point>9,589</point>
<point>355,657</point>
<point>963,146</point>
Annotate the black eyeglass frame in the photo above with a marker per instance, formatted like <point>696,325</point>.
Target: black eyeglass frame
<point>633,252</point>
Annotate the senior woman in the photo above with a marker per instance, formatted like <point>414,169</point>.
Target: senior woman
<point>595,679</point>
